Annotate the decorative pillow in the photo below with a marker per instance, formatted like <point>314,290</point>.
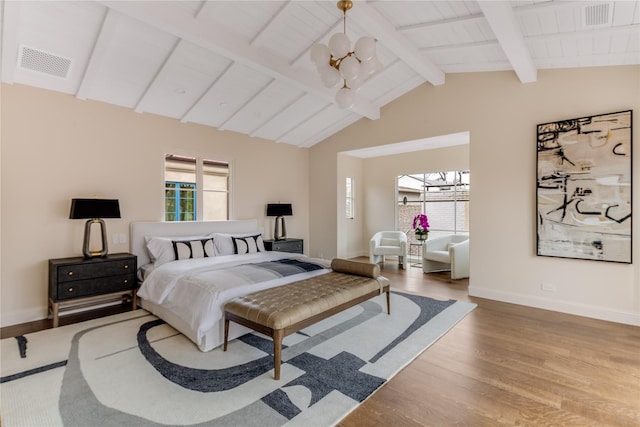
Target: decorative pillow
<point>248,244</point>
<point>161,248</point>
<point>224,242</point>
<point>354,267</point>
<point>199,248</point>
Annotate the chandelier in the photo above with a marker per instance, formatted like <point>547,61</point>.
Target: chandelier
<point>337,64</point>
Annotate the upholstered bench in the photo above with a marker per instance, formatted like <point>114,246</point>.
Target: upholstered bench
<point>283,310</point>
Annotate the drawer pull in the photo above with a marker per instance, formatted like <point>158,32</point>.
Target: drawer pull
<point>70,290</point>
<point>70,273</point>
<point>126,281</point>
<point>126,266</point>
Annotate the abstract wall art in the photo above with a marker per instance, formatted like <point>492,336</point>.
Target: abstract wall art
<point>583,192</point>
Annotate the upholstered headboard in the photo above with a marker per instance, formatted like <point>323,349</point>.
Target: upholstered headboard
<point>137,243</point>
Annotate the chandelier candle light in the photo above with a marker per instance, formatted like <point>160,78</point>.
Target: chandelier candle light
<point>335,63</point>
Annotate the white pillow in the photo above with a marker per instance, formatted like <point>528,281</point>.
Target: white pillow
<point>161,248</point>
<point>197,248</point>
<point>248,244</point>
<point>224,243</point>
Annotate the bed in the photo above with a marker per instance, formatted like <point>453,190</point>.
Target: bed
<point>216,261</point>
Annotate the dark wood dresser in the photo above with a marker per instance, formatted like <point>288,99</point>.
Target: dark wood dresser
<point>286,245</point>
<point>80,282</point>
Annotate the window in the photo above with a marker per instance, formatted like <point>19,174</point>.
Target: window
<point>350,202</point>
<point>195,189</point>
<point>442,196</point>
<point>180,201</point>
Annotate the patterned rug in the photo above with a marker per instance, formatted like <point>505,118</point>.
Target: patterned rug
<point>133,369</point>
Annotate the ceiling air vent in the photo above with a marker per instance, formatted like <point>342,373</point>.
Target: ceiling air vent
<point>43,62</point>
<point>597,15</point>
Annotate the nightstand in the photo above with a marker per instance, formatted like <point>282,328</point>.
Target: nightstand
<point>286,245</point>
<point>82,282</point>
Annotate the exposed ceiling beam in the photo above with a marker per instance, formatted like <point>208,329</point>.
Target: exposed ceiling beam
<point>368,17</point>
<point>469,45</point>
<point>10,26</point>
<point>479,17</point>
<point>477,67</point>
<point>604,59</point>
<point>444,22</point>
<point>631,30</point>
<point>503,23</point>
<point>221,39</point>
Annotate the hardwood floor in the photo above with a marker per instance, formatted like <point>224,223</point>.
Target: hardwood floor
<point>39,325</point>
<point>503,364</point>
<point>506,364</point>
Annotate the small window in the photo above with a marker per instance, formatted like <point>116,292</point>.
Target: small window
<point>351,201</point>
<point>180,201</point>
<point>196,189</point>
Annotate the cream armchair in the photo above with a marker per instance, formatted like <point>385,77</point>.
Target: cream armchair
<point>447,253</point>
<point>388,243</point>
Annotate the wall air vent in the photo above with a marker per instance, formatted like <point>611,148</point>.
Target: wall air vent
<point>43,62</point>
<point>597,15</point>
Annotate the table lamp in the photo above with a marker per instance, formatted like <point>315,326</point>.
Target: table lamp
<point>94,210</point>
<point>279,210</point>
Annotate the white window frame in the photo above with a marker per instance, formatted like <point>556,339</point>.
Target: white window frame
<point>350,200</point>
<point>199,182</point>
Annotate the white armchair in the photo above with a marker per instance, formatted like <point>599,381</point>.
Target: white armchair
<point>447,253</point>
<point>388,243</point>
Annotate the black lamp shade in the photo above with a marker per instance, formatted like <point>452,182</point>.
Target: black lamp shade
<point>94,208</point>
<point>279,209</point>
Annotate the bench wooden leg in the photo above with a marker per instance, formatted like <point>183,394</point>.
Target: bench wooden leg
<point>278,335</point>
<point>226,334</point>
<point>388,302</point>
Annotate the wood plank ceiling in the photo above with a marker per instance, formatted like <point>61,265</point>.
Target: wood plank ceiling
<point>244,65</point>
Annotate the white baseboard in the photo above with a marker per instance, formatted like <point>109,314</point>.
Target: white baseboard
<point>618,316</point>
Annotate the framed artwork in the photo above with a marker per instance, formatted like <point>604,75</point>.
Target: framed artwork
<point>583,193</point>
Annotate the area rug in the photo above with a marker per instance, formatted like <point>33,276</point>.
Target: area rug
<point>133,369</point>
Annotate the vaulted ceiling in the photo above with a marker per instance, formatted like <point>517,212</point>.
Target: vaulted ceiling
<point>244,65</point>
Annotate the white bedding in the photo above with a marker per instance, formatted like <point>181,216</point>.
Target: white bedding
<point>195,290</point>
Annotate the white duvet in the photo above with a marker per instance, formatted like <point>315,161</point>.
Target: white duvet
<point>195,290</point>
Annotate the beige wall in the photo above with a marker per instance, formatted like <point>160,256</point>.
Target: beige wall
<point>501,115</point>
<point>350,230</point>
<point>56,147</point>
